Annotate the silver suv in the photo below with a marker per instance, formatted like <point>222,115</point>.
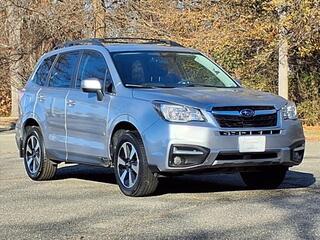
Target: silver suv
<point>151,108</point>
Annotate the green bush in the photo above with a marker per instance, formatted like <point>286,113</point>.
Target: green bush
<point>309,112</point>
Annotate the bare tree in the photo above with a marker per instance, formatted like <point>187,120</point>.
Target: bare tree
<point>14,26</point>
<point>99,18</point>
<point>283,69</point>
<point>237,34</point>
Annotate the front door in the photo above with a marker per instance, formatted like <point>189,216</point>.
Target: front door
<point>86,115</point>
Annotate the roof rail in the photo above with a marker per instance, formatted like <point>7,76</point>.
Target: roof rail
<point>141,40</point>
<point>123,40</point>
<point>89,41</point>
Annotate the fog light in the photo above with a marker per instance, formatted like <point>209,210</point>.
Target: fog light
<point>177,160</point>
<point>187,155</point>
<point>297,154</point>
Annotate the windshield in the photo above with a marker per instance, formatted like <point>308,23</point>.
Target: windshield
<point>169,69</point>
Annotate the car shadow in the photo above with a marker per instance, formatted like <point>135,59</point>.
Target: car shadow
<point>201,183</point>
<point>225,182</point>
<point>84,172</point>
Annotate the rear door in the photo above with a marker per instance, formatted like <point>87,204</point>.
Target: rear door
<point>38,85</point>
<point>54,96</point>
<point>86,116</point>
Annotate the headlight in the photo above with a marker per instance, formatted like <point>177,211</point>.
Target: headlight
<point>289,111</point>
<point>179,113</point>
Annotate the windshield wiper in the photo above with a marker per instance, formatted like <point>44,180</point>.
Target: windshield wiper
<point>147,85</point>
<point>138,85</point>
<point>204,85</point>
<point>199,85</point>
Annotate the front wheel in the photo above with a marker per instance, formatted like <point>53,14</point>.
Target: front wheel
<point>132,172</point>
<point>265,178</point>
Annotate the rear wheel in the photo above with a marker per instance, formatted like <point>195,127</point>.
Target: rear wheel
<point>266,178</point>
<point>37,165</point>
<point>132,172</point>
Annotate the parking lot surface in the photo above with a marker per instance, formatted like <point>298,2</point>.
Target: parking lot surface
<point>85,203</point>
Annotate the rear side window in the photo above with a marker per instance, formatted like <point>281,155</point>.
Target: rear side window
<point>92,65</point>
<point>63,70</point>
<point>41,75</point>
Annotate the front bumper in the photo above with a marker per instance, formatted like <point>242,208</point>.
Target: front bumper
<point>282,147</point>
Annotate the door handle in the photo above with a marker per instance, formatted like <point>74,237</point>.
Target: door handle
<point>41,98</point>
<point>71,103</point>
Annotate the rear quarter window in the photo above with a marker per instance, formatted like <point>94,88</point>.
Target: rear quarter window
<point>41,74</point>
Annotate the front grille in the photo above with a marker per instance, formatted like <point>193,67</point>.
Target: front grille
<point>227,121</point>
<point>229,117</point>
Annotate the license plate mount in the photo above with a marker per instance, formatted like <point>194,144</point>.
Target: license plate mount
<point>252,144</point>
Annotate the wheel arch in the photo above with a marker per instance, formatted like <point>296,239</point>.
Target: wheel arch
<point>122,125</point>
<point>27,123</point>
<point>30,122</point>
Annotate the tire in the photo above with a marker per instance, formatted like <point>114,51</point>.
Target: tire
<point>267,178</point>
<point>131,169</point>
<point>37,165</point>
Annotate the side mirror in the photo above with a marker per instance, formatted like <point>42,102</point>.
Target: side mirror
<point>92,85</point>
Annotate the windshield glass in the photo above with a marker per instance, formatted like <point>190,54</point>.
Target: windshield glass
<point>169,69</point>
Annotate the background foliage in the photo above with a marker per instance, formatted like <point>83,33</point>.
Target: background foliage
<point>241,35</point>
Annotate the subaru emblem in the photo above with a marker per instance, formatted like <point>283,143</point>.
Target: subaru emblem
<point>247,113</point>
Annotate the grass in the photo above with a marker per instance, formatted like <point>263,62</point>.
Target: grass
<point>7,120</point>
<point>7,123</point>
<point>312,133</point>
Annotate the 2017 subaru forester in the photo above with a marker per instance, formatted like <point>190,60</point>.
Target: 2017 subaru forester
<point>151,108</point>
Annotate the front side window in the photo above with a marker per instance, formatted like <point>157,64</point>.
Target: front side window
<point>41,75</point>
<point>63,70</point>
<point>169,69</point>
<point>92,65</point>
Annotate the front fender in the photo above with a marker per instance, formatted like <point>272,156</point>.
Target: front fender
<point>139,113</point>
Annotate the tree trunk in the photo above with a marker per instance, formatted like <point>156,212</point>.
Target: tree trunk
<point>283,68</point>
<point>99,18</point>
<point>14,24</point>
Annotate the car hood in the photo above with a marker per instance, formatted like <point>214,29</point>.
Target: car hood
<point>208,97</point>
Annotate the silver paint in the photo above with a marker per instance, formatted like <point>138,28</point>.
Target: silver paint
<point>76,127</point>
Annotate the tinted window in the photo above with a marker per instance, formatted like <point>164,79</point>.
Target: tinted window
<point>92,65</point>
<point>63,70</point>
<point>41,75</point>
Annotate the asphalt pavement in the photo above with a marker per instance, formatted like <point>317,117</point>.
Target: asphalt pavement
<point>85,203</point>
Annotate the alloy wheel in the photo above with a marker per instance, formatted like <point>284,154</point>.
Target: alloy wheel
<point>33,154</point>
<point>128,164</point>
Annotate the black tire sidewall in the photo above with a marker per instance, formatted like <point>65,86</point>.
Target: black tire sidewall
<point>34,131</point>
<point>132,138</point>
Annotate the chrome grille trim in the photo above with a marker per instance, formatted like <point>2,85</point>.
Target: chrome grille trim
<point>243,133</point>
